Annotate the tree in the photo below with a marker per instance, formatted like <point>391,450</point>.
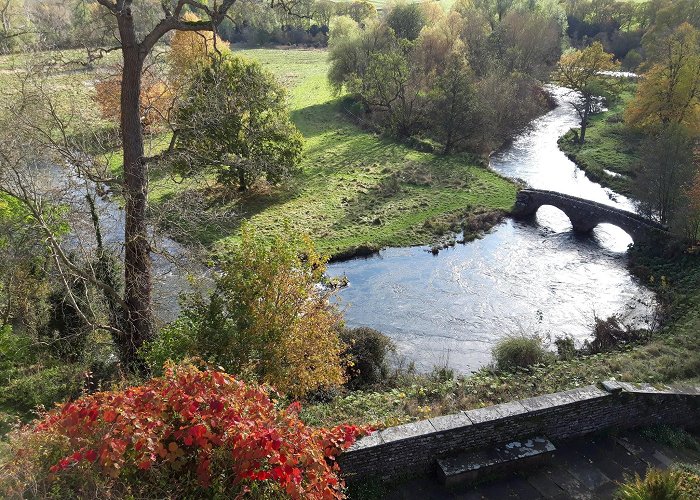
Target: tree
<point>406,19</point>
<point>692,222</point>
<point>235,119</point>
<point>670,91</point>
<point>15,26</point>
<point>137,312</point>
<point>452,102</point>
<point>191,49</point>
<point>23,266</point>
<point>582,72</point>
<point>155,104</point>
<point>359,10</point>
<point>665,173</point>
<point>265,319</point>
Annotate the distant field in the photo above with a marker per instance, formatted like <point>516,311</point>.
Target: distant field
<point>346,195</point>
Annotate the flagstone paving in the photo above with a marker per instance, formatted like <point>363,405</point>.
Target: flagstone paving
<point>585,468</point>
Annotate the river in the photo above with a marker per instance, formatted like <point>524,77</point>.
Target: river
<point>451,308</point>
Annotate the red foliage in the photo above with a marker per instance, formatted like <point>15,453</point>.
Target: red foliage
<point>184,421</point>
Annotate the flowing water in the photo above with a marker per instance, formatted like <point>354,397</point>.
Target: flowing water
<point>528,277</point>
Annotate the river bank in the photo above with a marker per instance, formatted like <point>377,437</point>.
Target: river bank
<point>610,155</point>
<point>670,356</point>
<point>356,191</point>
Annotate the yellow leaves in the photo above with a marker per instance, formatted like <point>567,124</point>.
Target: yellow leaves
<point>156,98</point>
<point>189,49</point>
<point>578,68</point>
<point>670,90</point>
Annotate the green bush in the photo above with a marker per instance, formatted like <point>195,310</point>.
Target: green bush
<point>674,437</point>
<point>611,333</point>
<point>266,318</point>
<point>367,350</point>
<point>26,389</point>
<point>519,351</point>
<point>566,348</point>
<point>657,485</point>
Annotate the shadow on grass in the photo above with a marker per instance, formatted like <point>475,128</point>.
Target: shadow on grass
<point>207,220</point>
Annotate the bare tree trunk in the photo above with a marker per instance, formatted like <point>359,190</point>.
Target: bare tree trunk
<point>584,120</point>
<point>138,320</point>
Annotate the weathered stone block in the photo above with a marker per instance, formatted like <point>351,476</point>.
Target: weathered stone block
<point>547,401</point>
<point>481,415</point>
<point>373,439</point>
<point>450,422</point>
<point>407,431</point>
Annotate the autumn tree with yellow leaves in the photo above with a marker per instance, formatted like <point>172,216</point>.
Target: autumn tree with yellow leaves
<point>583,71</point>
<point>190,49</point>
<point>669,93</point>
<point>266,319</point>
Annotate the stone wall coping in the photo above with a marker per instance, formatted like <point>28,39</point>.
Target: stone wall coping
<point>512,409</point>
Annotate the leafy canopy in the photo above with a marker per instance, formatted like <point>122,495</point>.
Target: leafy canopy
<point>235,119</point>
<point>670,91</point>
<point>266,318</point>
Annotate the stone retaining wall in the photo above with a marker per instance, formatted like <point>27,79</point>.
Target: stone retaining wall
<point>414,447</point>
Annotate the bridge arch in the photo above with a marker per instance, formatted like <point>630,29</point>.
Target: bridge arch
<point>585,215</point>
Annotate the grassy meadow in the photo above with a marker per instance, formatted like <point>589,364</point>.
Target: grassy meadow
<point>355,188</point>
<point>609,146</point>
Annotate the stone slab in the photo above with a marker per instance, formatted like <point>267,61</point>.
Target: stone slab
<point>481,415</point>
<point>543,483</point>
<point>450,422</point>
<point>470,465</point>
<point>510,409</point>
<point>525,448</point>
<point>373,439</point>
<point>586,393</point>
<point>612,386</point>
<point>406,431</point>
<point>547,401</point>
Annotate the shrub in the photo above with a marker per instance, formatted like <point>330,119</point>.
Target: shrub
<point>235,118</point>
<point>25,389</point>
<point>674,437</point>
<point>566,348</point>
<point>367,350</point>
<point>656,485</point>
<point>189,434</point>
<point>611,333</point>
<point>519,351</point>
<point>266,318</point>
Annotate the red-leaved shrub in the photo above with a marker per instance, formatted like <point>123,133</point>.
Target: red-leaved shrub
<point>191,433</point>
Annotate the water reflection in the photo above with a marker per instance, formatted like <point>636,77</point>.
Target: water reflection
<point>523,276</point>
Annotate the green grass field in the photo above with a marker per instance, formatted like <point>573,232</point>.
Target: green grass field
<point>609,146</point>
<point>355,188</point>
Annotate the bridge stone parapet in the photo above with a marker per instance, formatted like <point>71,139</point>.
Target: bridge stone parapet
<point>586,214</point>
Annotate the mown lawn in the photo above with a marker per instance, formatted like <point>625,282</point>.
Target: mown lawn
<point>355,188</point>
<point>610,146</point>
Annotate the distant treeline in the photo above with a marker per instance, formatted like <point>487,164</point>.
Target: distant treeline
<point>466,79</point>
<point>629,30</point>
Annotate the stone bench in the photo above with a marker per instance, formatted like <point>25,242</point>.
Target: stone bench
<point>470,466</point>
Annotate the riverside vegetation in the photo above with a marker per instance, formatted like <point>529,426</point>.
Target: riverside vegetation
<point>362,161</point>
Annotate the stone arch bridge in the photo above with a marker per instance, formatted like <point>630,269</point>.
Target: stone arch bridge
<point>586,214</point>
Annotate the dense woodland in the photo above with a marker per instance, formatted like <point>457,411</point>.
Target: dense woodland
<point>148,110</point>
